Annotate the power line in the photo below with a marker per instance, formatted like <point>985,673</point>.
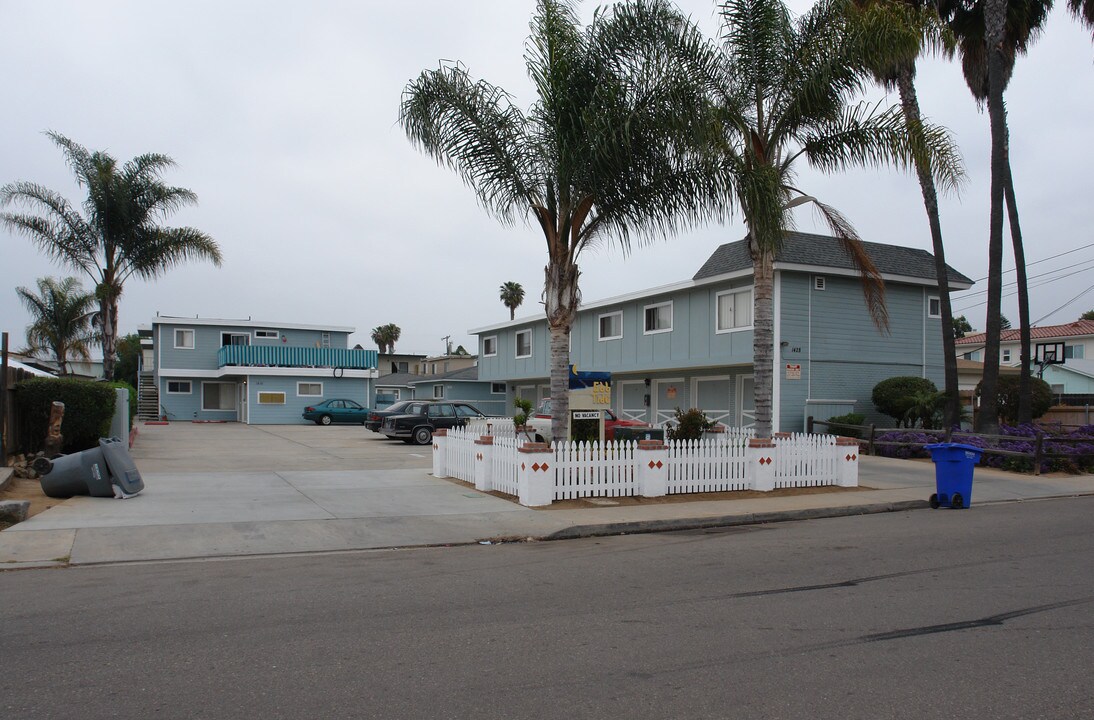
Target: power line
<point>1051,257</point>
<point>1086,264</point>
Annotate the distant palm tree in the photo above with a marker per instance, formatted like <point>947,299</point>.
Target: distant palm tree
<point>62,320</point>
<point>385,337</point>
<point>616,144</point>
<point>512,295</point>
<point>118,235</point>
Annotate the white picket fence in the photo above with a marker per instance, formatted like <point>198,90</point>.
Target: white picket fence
<point>714,465</point>
<point>582,470</point>
<point>805,461</point>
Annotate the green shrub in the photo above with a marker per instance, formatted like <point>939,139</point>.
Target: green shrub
<point>132,399</point>
<point>690,425</point>
<point>849,419</point>
<point>896,396</point>
<point>1007,393</point>
<point>89,407</point>
<point>585,430</point>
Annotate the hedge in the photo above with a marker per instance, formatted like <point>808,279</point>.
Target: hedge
<point>89,408</point>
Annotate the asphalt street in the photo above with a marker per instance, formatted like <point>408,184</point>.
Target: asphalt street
<point>981,613</point>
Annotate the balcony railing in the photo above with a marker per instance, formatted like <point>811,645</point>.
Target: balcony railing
<point>295,357</point>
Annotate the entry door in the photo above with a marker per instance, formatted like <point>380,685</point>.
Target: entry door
<point>632,400</point>
<point>242,404</point>
<point>712,396</point>
<point>668,394</point>
<point>746,401</point>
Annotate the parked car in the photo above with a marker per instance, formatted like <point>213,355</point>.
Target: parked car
<point>337,410</point>
<point>541,421</point>
<point>376,417</point>
<point>418,420</point>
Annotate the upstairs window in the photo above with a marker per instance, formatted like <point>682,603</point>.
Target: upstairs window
<point>934,307</point>
<point>267,334</point>
<point>611,326</point>
<point>184,339</point>
<point>524,343</point>
<point>734,310</point>
<point>658,318</point>
<point>490,346</point>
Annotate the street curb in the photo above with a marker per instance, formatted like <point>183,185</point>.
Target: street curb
<point>674,524</point>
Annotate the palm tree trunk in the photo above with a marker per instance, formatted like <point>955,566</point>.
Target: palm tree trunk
<point>108,314</point>
<point>994,24</point>
<point>913,120</point>
<point>561,298</point>
<point>763,336</point>
<point>1025,382</point>
<point>512,314</point>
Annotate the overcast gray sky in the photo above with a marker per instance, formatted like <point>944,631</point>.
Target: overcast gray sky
<point>282,118</point>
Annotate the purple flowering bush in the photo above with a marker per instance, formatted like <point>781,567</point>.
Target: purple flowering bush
<point>1071,452</point>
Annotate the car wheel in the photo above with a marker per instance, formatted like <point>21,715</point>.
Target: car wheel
<point>423,436</point>
<point>324,419</point>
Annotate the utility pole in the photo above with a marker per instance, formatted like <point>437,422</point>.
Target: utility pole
<point>447,344</point>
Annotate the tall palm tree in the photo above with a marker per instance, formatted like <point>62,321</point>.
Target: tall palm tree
<point>991,35</point>
<point>62,320</point>
<point>799,78</point>
<point>385,337</point>
<point>918,30</point>
<point>118,235</point>
<point>512,295</point>
<point>615,146</point>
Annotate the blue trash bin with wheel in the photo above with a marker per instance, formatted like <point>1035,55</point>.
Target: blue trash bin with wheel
<point>953,466</point>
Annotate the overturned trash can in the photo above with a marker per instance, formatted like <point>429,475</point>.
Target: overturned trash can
<point>953,466</point>
<point>105,471</point>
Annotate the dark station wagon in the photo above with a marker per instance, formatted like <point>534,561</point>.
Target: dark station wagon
<point>418,420</point>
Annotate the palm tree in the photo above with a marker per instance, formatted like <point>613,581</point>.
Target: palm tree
<point>512,295</point>
<point>919,30</point>
<point>385,337</point>
<point>798,79</point>
<point>991,35</point>
<point>62,320</point>
<point>615,146</point>
<point>118,235</point>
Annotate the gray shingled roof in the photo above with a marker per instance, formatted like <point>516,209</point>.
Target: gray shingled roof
<point>471,373</point>
<point>825,251</point>
<point>396,379</point>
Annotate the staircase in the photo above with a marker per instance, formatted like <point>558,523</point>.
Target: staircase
<point>148,399</point>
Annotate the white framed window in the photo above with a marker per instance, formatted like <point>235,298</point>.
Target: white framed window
<point>1074,352</point>
<point>309,389</point>
<point>184,339</point>
<point>733,310</point>
<point>611,326</point>
<point>218,396</point>
<point>394,393</point>
<point>271,398</point>
<point>490,346</point>
<point>438,392</point>
<point>267,335</point>
<point>497,388</point>
<point>179,387</point>
<point>1006,356</point>
<point>524,344</point>
<point>934,307</point>
<point>818,282</point>
<point>658,318</point>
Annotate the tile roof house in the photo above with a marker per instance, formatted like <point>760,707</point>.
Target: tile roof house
<point>1077,338</point>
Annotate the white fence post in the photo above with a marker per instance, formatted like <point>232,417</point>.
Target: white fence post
<point>847,462</point>
<point>484,460</point>
<point>440,442</point>
<point>536,474</point>
<point>651,463</point>
<point>760,461</point>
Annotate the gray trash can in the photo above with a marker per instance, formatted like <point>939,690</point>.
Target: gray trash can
<point>105,471</point>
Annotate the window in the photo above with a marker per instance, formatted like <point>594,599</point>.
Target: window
<point>1006,356</point>
<point>228,338</point>
<point>733,310</point>
<point>441,410</point>
<point>934,307</point>
<point>466,411</point>
<point>1073,352</point>
<point>438,392</point>
<point>309,389</point>
<point>271,398</point>
<point>490,346</point>
<point>611,326</point>
<point>324,340</point>
<point>818,282</point>
<point>497,388</point>
<point>658,318</point>
<point>184,339</point>
<point>267,334</point>
<point>403,367</point>
<point>524,343</point>
<point>179,387</point>
<point>218,396</point>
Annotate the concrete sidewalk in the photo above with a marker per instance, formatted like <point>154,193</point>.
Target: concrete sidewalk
<point>336,489</point>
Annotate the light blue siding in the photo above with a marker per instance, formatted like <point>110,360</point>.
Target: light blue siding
<point>356,389</point>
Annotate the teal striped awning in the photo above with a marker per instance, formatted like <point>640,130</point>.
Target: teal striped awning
<point>294,356</point>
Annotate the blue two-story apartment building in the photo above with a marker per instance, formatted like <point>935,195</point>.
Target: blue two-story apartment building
<point>248,371</point>
<point>689,344</point>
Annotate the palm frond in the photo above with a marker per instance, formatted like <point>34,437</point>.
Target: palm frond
<point>152,251</point>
